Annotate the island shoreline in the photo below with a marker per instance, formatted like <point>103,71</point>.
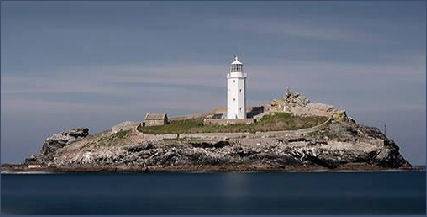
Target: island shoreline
<point>22,169</point>
<point>289,134</point>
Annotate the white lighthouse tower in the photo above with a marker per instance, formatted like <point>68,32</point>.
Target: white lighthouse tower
<point>236,96</point>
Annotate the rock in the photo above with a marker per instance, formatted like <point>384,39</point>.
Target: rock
<point>32,160</point>
<point>140,147</point>
<point>59,140</point>
<point>87,158</point>
<point>290,99</point>
<point>210,144</point>
<point>297,104</point>
<point>338,143</point>
<point>295,98</point>
<point>55,142</point>
<point>127,125</point>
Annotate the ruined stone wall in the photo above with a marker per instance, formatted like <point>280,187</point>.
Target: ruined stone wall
<point>225,136</point>
<point>190,116</point>
<point>228,121</point>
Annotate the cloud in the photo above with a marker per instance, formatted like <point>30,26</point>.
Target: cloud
<point>123,79</point>
<point>114,89</point>
<point>106,78</point>
<point>299,29</point>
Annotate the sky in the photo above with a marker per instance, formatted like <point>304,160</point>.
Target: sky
<point>96,64</point>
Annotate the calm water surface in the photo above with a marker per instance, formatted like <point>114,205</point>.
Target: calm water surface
<point>215,193</point>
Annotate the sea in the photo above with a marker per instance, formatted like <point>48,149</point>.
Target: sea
<point>388,192</point>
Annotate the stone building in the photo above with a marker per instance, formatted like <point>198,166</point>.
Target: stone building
<point>155,119</point>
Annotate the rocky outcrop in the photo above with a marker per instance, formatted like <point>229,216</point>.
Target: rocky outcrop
<point>335,145</point>
<point>59,140</point>
<point>293,98</point>
<point>299,105</point>
<point>55,142</point>
<point>338,143</point>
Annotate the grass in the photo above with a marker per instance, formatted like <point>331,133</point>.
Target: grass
<point>113,139</point>
<point>274,122</point>
<point>122,134</point>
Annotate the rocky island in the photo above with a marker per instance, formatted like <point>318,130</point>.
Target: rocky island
<point>289,134</point>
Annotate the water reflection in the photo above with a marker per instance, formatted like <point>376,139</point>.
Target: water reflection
<point>215,193</point>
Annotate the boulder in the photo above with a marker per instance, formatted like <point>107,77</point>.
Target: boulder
<point>292,97</point>
<point>55,142</point>
<point>59,140</point>
<point>297,104</point>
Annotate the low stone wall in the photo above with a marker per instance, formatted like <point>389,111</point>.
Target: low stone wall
<point>228,121</point>
<point>213,136</point>
<point>155,137</point>
<point>189,116</point>
<point>226,136</point>
<point>202,136</point>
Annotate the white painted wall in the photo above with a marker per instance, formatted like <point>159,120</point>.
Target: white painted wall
<point>236,85</point>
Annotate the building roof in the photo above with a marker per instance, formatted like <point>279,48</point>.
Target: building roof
<point>236,61</point>
<point>155,116</point>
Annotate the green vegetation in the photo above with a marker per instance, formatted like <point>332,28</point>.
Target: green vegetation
<point>122,134</point>
<point>111,139</point>
<point>274,122</point>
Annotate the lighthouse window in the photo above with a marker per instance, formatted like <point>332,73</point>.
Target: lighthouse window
<point>234,99</point>
<point>234,81</point>
<point>236,68</point>
<point>240,90</point>
<point>240,109</point>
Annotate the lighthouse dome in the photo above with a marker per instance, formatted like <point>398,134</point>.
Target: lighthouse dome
<point>236,65</point>
<point>236,61</point>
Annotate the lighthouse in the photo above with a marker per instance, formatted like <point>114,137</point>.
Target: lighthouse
<point>236,94</point>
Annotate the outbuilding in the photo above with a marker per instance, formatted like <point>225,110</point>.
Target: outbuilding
<point>155,119</point>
